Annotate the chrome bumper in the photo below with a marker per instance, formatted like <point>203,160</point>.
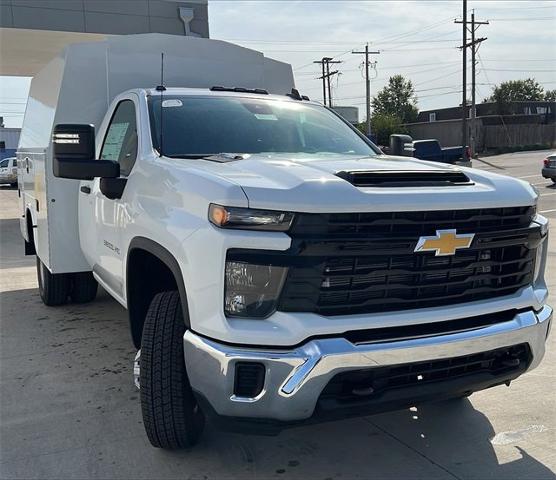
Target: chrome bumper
<point>295,378</point>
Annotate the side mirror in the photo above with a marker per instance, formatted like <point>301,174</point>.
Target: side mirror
<point>73,151</point>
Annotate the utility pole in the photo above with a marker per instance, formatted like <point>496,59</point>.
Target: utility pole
<point>475,42</point>
<point>322,62</point>
<point>464,81</point>
<point>326,74</point>
<point>368,84</point>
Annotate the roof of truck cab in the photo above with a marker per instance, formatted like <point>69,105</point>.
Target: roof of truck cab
<point>220,93</point>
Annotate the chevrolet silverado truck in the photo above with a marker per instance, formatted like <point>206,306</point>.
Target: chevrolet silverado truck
<point>277,269</point>
<point>429,150</point>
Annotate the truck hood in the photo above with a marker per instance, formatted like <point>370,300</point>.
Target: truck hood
<point>308,183</point>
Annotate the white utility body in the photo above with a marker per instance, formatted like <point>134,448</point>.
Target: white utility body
<point>276,266</point>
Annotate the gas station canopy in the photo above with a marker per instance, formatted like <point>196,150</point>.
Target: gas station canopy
<point>32,32</point>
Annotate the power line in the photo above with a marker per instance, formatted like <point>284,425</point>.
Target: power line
<point>440,94</point>
<point>411,32</point>
<point>327,44</point>
<point>524,19</point>
<point>516,70</point>
<point>520,60</point>
<point>505,8</point>
<point>438,78</point>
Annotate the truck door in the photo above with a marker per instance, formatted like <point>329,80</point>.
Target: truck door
<point>103,219</point>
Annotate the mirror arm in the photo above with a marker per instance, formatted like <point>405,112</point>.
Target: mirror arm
<point>113,188</point>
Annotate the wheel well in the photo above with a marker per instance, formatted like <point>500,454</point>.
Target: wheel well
<point>147,275</point>
<point>29,245</point>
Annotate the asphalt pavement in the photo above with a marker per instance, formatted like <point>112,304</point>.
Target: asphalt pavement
<point>69,409</point>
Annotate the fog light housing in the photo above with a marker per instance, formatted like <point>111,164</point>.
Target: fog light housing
<point>252,290</point>
<point>249,379</point>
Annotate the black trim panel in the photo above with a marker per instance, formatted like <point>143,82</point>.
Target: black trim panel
<point>158,251</point>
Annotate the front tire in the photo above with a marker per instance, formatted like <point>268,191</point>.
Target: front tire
<point>171,415</point>
<point>53,287</point>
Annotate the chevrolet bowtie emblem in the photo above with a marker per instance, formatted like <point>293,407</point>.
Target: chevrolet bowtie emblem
<point>445,242</point>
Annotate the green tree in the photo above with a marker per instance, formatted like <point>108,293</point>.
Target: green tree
<point>528,90</point>
<point>550,95</point>
<point>383,125</point>
<point>397,99</point>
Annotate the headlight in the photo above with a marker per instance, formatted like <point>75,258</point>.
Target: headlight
<point>252,290</point>
<point>249,219</point>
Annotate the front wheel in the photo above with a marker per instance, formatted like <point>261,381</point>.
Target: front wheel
<point>171,415</point>
<point>53,287</point>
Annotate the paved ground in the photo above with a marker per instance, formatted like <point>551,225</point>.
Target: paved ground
<point>69,408</point>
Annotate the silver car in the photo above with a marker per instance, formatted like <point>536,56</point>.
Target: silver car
<point>549,167</point>
<point>8,171</point>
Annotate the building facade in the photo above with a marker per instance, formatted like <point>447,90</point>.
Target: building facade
<point>546,110</point>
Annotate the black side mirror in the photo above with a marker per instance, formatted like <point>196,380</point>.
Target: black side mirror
<point>73,151</point>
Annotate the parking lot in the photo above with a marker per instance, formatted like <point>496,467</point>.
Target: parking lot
<point>69,409</point>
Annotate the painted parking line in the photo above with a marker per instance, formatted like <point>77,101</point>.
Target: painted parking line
<point>530,176</point>
<point>548,211</point>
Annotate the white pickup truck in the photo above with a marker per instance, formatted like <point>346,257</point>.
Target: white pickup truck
<point>276,266</point>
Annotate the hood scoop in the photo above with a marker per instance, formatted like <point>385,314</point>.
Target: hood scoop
<point>409,178</point>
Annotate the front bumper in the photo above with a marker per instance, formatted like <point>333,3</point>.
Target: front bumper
<point>295,378</point>
<point>549,172</point>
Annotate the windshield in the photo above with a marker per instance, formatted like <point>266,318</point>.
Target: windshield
<point>200,126</point>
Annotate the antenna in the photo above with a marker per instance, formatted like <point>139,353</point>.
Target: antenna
<point>160,88</point>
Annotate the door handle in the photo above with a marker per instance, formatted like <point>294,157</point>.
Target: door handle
<point>85,189</point>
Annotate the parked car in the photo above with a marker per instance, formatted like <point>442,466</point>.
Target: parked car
<point>8,171</point>
<point>303,277</point>
<point>549,167</point>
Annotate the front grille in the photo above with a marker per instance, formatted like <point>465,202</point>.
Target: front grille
<point>413,223</point>
<point>365,262</point>
<point>361,385</point>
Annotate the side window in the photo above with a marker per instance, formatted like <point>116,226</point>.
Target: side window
<point>4,163</point>
<point>120,142</point>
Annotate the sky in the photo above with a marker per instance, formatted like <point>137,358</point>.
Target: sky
<point>418,40</point>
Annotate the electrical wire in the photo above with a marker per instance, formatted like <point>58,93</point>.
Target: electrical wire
<point>438,78</point>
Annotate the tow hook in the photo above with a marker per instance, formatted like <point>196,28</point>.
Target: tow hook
<point>137,369</point>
